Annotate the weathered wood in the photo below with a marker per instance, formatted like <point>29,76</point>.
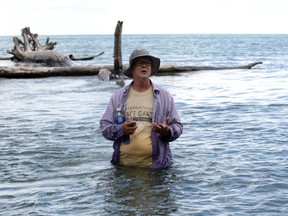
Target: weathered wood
<point>32,51</point>
<point>173,68</point>
<point>37,72</point>
<point>71,56</point>
<point>118,66</point>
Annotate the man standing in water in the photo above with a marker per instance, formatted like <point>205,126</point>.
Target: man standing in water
<point>141,136</point>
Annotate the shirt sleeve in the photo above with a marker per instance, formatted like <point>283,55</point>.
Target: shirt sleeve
<point>109,129</point>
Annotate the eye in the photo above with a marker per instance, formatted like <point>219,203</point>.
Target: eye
<point>140,63</point>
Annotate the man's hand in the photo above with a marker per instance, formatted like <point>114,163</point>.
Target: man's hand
<point>163,129</point>
<point>129,127</point>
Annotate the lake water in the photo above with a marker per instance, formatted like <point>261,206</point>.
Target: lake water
<point>232,158</point>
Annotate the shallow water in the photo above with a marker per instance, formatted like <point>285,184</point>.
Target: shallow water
<point>230,160</point>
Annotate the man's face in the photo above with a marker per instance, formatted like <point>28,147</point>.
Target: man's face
<point>142,68</point>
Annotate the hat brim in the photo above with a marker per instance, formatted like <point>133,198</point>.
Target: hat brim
<point>155,65</point>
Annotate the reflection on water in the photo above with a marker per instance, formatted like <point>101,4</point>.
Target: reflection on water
<point>140,191</point>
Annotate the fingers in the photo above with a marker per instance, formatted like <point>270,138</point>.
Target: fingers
<point>164,125</point>
<point>162,128</point>
<point>167,121</point>
<point>156,127</point>
<point>159,127</point>
<point>129,127</point>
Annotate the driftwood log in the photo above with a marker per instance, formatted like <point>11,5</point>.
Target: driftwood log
<point>37,72</point>
<point>32,51</point>
<point>118,66</point>
<point>71,56</point>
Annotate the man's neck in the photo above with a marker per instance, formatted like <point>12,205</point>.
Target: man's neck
<point>141,86</point>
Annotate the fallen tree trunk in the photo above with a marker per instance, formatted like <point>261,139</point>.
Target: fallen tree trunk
<point>38,72</point>
<point>31,51</point>
<point>71,56</point>
<point>174,68</point>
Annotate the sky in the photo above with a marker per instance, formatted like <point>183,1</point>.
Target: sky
<point>80,17</point>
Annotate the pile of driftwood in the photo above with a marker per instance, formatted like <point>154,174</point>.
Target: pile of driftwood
<point>48,62</point>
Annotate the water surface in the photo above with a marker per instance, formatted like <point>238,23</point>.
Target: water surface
<point>230,160</point>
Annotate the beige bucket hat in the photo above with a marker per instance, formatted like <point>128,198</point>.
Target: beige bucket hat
<point>137,53</point>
